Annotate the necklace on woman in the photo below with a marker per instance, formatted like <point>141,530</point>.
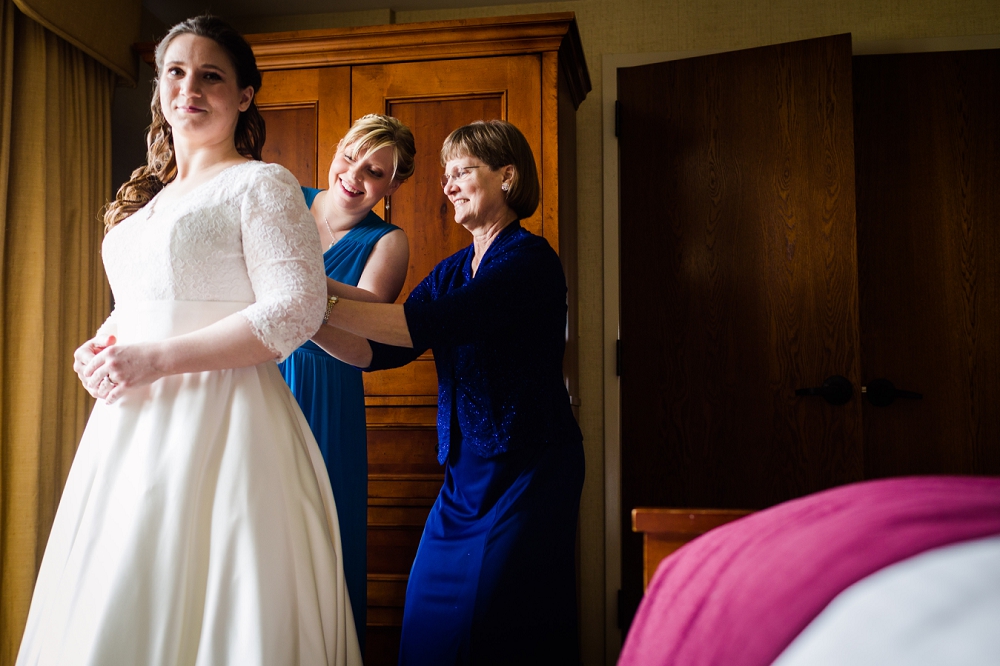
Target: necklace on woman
<point>333,236</point>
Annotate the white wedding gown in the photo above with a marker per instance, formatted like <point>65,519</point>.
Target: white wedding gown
<point>197,525</point>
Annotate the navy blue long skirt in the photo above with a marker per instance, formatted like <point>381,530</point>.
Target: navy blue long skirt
<point>494,579</point>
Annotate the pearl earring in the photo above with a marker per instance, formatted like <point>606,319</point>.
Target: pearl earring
<point>504,187</point>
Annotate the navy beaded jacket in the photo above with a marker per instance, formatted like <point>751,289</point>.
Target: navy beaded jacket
<point>498,341</point>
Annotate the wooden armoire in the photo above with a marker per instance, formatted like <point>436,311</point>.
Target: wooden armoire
<point>435,77</point>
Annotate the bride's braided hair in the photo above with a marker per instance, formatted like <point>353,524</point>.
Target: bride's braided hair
<point>161,165</point>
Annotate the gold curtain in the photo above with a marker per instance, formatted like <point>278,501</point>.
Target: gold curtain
<point>103,29</point>
<point>55,173</point>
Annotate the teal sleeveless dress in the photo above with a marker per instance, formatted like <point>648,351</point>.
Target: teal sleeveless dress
<point>332,398</point>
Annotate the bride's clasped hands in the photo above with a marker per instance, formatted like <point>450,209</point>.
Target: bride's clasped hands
<point>106,369</point>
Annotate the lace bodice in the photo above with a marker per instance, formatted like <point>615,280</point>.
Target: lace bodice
<point>245,235</point>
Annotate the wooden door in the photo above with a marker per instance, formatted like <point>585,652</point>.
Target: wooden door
<point>738,281</point>
<point>928,200</point>
<point>306,112</point>
<point>432,98</point>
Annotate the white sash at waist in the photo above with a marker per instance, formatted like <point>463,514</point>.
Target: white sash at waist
<point>143,321</point>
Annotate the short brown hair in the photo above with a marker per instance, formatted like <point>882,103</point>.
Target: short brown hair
<point>497,144</point>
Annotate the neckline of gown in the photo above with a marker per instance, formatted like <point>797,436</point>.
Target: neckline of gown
<point>504,233</point>
<point>150,205</point>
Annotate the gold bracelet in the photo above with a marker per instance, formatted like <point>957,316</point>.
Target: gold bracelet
<point>330,302</point>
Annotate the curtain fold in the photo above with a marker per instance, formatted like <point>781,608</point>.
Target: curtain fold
<point>103,29</point>
<point>55,173</point>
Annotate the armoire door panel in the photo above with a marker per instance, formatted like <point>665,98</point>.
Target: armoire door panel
<point>391,551</point>
<point>292,137</point>
<point>285,100</point>
<point>423,208</point>
<point>389,412</point>
<point>390,487</point>
<point>927,129</point>
<point>386,594</point>
<point>394,516</point>
<point>738,280</point>
<point>380,617</point>
<point>387,591</point>
<point>434,98</point>
<point>397,451</point>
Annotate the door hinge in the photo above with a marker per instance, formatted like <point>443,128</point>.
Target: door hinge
<point>618,117</point>
<point>618,357</point>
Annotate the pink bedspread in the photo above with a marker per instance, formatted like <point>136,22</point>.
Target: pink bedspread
<point>741,593</point>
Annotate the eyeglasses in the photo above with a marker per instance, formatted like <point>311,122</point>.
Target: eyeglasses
<point>459,175</point>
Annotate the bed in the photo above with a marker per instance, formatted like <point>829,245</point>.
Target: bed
<point>902,570</point>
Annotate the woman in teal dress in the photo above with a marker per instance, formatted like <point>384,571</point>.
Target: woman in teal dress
<point>365,259</point>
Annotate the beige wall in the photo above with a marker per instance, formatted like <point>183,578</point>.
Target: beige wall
<point>254,24</point>
<point>634,26</point>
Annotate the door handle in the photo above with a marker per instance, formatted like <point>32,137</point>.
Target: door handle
<point>882,393</point>
<point>836,390</point>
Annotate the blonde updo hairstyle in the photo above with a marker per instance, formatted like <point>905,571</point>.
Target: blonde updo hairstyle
<point>497,143</point>
<point>161,164</point>
<point>374,132</point>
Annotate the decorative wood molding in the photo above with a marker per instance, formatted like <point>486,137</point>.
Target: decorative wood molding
<point>434,40</point>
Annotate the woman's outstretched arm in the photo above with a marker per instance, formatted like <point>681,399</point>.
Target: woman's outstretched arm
<point>381,322</point>
<point>343,346</point>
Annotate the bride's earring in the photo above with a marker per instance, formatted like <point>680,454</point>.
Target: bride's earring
<point>504,187</point>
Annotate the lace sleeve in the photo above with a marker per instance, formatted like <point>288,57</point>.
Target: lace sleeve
<point>284,261</point>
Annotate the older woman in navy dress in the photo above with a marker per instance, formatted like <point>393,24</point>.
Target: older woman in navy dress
<point>494,576</point>
<point>365,259</point>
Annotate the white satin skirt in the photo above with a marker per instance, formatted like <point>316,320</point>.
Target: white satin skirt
<point>197,525</point>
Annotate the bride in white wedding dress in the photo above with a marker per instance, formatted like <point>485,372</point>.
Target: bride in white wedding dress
<point>197,525</point>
